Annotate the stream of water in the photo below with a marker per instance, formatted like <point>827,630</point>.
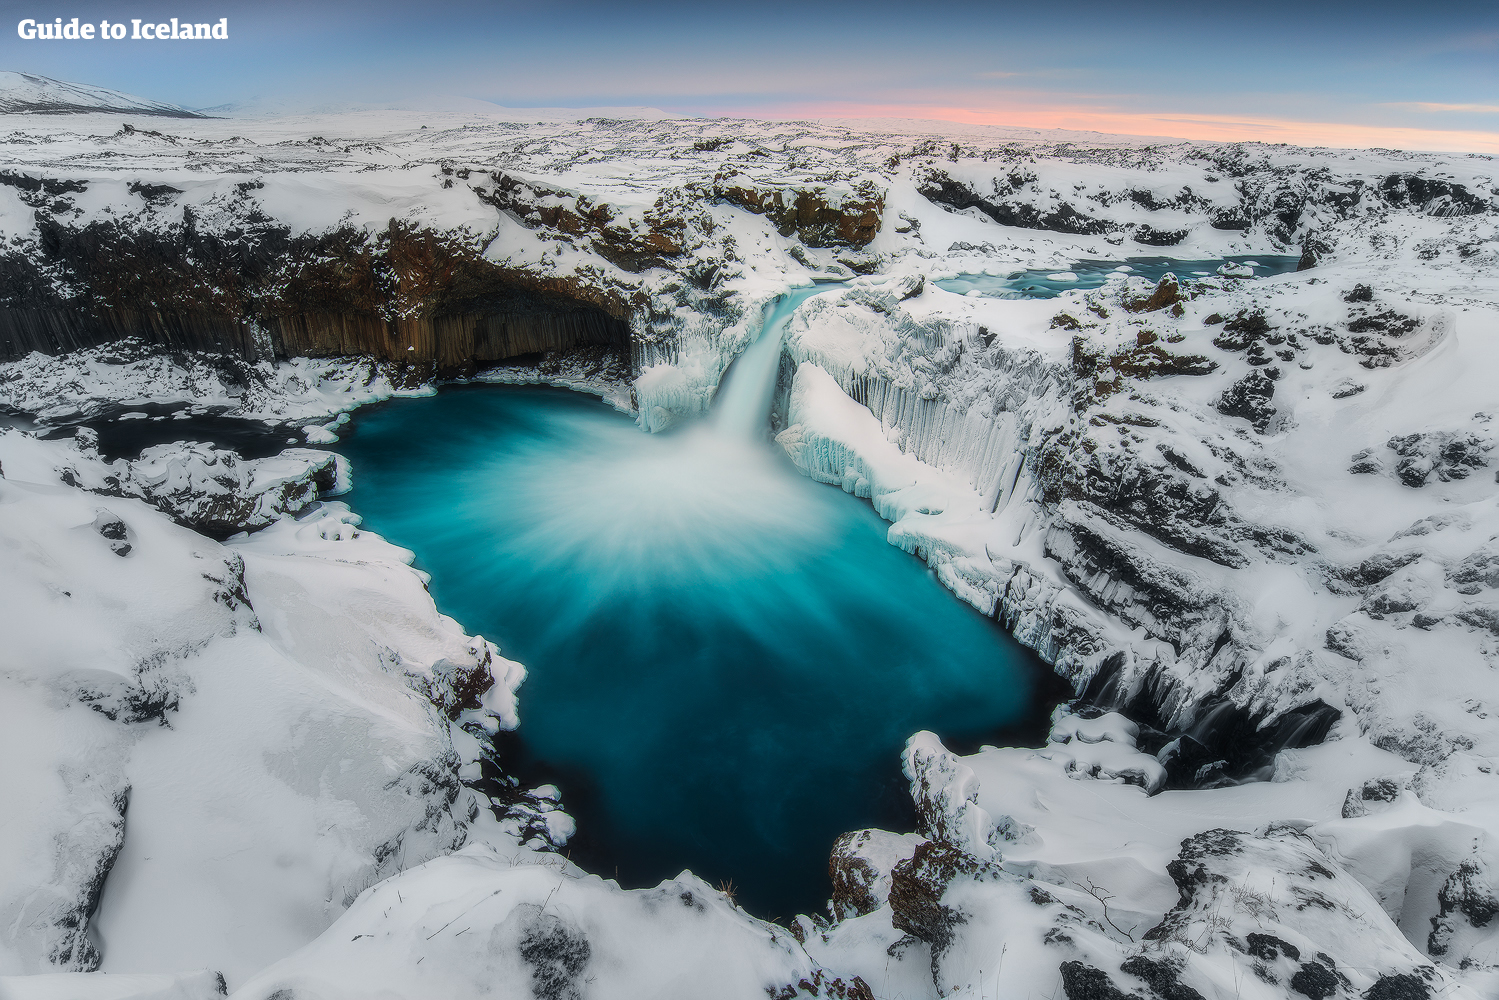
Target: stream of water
<point>1047,284</point>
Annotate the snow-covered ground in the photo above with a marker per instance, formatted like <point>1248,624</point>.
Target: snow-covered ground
<point>1239,513</point>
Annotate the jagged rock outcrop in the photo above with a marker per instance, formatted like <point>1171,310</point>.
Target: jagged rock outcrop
<point>817,217</point>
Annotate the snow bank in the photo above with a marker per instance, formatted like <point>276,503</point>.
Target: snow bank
<point>221,745</point>
<point>473,924</point>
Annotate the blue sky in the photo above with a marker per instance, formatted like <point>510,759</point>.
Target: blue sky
<point>1408,70</point>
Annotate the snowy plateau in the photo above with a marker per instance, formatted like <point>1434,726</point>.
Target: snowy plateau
<point>1253,521</point>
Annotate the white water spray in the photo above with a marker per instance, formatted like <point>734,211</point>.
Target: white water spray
<point>743,404</point>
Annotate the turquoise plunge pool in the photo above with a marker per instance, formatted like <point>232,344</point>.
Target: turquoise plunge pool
<point>725,658</point>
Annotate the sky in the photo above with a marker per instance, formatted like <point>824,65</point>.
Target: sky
<point>1400,75</point>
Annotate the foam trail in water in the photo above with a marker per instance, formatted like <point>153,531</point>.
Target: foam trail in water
<point>724,658</point>
<point>743,404</point>
<point>619,512</point>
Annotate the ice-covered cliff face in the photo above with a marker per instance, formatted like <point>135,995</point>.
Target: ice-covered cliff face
<point>1244,513</point>
<point>1231,509</point>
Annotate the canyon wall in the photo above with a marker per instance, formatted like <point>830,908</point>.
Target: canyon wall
<point>257,292</point>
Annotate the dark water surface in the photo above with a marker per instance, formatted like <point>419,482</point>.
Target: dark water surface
<point>126,431</point>
<point>725,658</point>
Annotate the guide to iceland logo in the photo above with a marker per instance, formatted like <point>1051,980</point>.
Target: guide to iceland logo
<point>155,31</point>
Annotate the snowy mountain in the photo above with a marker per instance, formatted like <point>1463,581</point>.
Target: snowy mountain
<point>1251,519</point>
<point>26,94</point>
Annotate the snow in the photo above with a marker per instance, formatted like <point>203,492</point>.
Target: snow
<point>1185,539</point>
<point>94,381</point>
<point>266,713</point>
<point>473,924</point>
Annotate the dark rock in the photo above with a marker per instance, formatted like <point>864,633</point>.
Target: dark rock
<point>1378,566</point>
<point>1152,237</point>
<point>1448,455</point>
<point>1231,219</point>
<point>456,687</point>
<point>1432,196</point>
<point>1083,982</point>
<point>1365,463</point>
<point>807,214</point>
<point>1359,293</point>
<point>1481,617</point>
<point>76,950</point>
<point>1466,893</point>
<point>1401,987</point>
<point>1389,322</point>
<point>154,194</point>
<point>1478,569</point>
<point>1007,204</point>
<point>114,532</point>
<point>858,868</point>
<point>1161,976</point>
<point>1139,491</point>
<point>210,490</point>
<point>917,886</point>
<point>156,691</point>
<point>1190,869</point>
<point>1243,331</point>
<point>1167,293</point>
<point>1153,361</point>
<point>1388,602</point>
<point>557,952</point>
<point>1268,947</point>
<point>1249,398</point>
<point>821,984</point>
<point>1315,980</point>
<point>257,288</point>
<point>1376,790</point>
<point>1314,250</point>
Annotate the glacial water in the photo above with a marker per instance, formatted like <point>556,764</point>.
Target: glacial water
<point>725,658</point>
<point>743,401</point>
<point>1047,284</point>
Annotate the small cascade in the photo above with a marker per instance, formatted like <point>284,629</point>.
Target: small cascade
<point>742,406</point>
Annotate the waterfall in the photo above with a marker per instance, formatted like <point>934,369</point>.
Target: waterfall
<point>742,407</point>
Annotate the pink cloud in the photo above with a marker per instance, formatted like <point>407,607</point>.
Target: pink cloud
<point>1215,128</point>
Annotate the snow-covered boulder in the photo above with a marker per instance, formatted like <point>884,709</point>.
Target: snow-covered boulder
<point>210,489</point>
